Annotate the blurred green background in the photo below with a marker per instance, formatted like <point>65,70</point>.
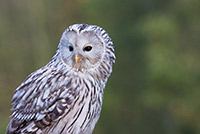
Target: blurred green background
<point>155,85</point>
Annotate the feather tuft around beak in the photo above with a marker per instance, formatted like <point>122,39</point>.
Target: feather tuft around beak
<point>78,58</point>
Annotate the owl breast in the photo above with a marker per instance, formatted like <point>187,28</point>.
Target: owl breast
<point>84,113</point>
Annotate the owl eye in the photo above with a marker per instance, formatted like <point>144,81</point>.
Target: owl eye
<point>87,48</point>
<point>71,48</point>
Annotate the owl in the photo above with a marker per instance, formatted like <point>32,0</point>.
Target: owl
<point>65,96</point>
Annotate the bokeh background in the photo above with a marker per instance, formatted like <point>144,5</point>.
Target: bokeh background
<point>155,85</point>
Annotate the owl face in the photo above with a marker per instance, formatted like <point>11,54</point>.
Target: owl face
<point>81,50</point>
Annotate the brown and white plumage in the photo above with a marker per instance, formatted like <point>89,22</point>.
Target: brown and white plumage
<point>65,96</point>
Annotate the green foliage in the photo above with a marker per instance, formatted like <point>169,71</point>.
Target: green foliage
<point>154,87</point>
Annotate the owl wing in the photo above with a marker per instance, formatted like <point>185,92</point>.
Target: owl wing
<point>45,94</point>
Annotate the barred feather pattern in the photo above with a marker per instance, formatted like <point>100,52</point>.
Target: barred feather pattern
<point>57,99</point>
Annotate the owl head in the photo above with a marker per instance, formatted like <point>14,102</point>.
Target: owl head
<point>86,47</point>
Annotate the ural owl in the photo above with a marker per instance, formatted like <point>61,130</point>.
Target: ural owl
<point>65,96</point>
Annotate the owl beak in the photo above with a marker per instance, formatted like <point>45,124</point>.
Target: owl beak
<point>77,58</point>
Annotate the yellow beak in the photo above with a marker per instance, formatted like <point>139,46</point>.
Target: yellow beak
<point>77,58</point>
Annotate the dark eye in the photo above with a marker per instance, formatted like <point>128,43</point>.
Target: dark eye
<point>88,48</point>
<point>71,48</point>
